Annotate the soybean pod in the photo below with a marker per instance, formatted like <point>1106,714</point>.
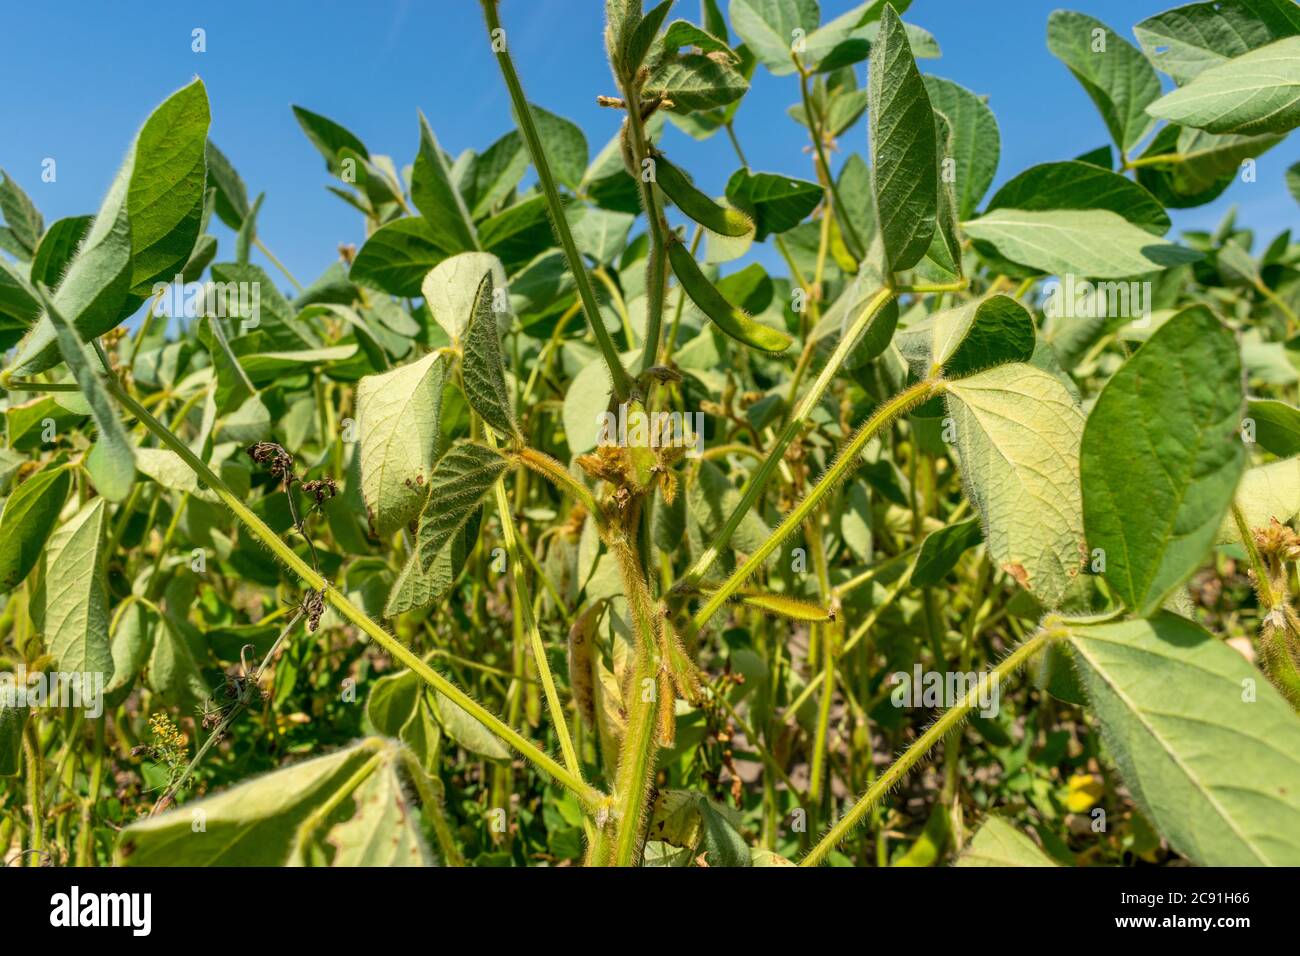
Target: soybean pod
<point>722,313</point>
<point>720,219</point>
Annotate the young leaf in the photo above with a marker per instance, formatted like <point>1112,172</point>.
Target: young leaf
<point>1017,433</point>
<point>437,197</point>
<point>115,464</point>
<point>998,843</point>
<point>30,513</point>
<point>639,39</point>
<point>941,550</point>
<point>252,824</point>
<point>451,287</point>
<point>727,317</point>
<point>76,593</point>
<point>399,417</point>
<point>1214,768</point>
<point>483,373</point>
<point>903,149</point>
<point>1093,242</point>
<point>1187,40</point>
<point>1115,75</point>
<point>460,482</point>
<point>1166,423</point>
<point>1257,92</point>
<point>720,219</point>
<point>976,143</point>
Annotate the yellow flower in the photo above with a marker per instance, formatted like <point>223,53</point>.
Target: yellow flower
<point>1085,791</point>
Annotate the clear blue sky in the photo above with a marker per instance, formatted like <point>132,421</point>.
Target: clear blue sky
<point>82,75</point>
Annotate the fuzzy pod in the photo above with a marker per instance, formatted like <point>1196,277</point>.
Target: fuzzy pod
<point>727,317</point>
<point>785,606</point>
<point>581,639</point>
<point>698,206</point>
<point>666,702</point>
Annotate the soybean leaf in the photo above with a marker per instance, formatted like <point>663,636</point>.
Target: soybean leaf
<point>30,513</point>
<point>115,465</point>
<point>941,550</point>
<point>518,233</point>
<point>252,824</point>
<point>696,81</point>
<point>1092,242</point>
<point>174,671</point>
<point>21,217</point>
<point>776,203</point>
<point>450,288</point>
<point>1017,433</point>
<point>145,229</point>
<point>76,593</point>
<point>638,40</point>
<point>493,174</point>
<point>328,137</point>
<point>437,197</point>
<point>1265,492</point>
<point>999,843</point>
<point>1187,40</point>
<point>397,256</point>
<point>1277,426</point>
<point>231,194</point>
<point>1205,165</point>
<point>1115,75</point>
<point>460,481</point>
<point>483,373</point>
<point>769,27</point>
<point>1165,423</point>
<point>1077,185</point>
<point>385,830</point>
<point>467,730</point>
<point>1293,181</point>
<point>132,644</point>
<point>399,417</point>
<point>56,249</point>
<point>903,148</point>
<point>564,143</point>
<point>992,331</point>
<point>975,143</point>
<point>1207,748</point>
<point>1257,92</point>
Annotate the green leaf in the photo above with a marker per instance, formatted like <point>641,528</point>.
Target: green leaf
<point>231,204</point>
<point>233,386</point>
<point>1293,181</point>
<point>1017,433</point>
<point>695,81</point>
<point>449,290</point>
<point>13,721</point>
<point>1277,426</point>
<point>903,148</point>
<point>252,824</point>
<point>1078,185</point>
<point>992,331</point>
<point>519,233</point>
<point>399,416</point>
<point>20,214</point>
<point>436,196</point>
<point>1095,242</point>
<point>168,177</point>
<point>385,830</point>
<point>1166,423</point>
<point>328,137</point>
<point>483,373</point>
<point>30,513</point>
<point>564,143</point>
<point>640,38</point>
<point>1206,746</point>
<point>132,644</point>
<point>998,843</point>
<point>1265,492</point>
<point>161,184</point>
<point>769,27</point>
<point>397,256</point>
<point>115,465</point>
<point>460,482</point>
<point>1257,92</point>
<point>1206,163</point>
<point>776,203</point>
<point>976,143</point>
<point>1115,75</point>
<point>600,233</point>
<point>494,173</point>
<point>57,248</point>
<point>1187,40</point>
<point>585,401</point>
<point>174,673</point>
<point>941,550</point>
<point>467,730</point>
<point>76,593</point>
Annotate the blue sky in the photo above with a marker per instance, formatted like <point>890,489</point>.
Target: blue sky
<point>83,76</point>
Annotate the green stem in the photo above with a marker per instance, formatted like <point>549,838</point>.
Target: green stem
<point>585,792</point>
<point>949,720</point>
<point>776,455</point>
<point>276,262</point>
<point>844,465</point>
<point>524,117</point>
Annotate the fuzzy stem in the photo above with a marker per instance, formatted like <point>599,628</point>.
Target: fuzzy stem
<point>844,465</point>
<point>949,720</point>
<point>585,792</point>
<point>524,117</point>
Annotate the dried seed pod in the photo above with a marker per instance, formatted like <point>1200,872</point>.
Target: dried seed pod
<point>581,637</point>
<point>667,704</point>
<point>716,218</point>
<point>727,317</point>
